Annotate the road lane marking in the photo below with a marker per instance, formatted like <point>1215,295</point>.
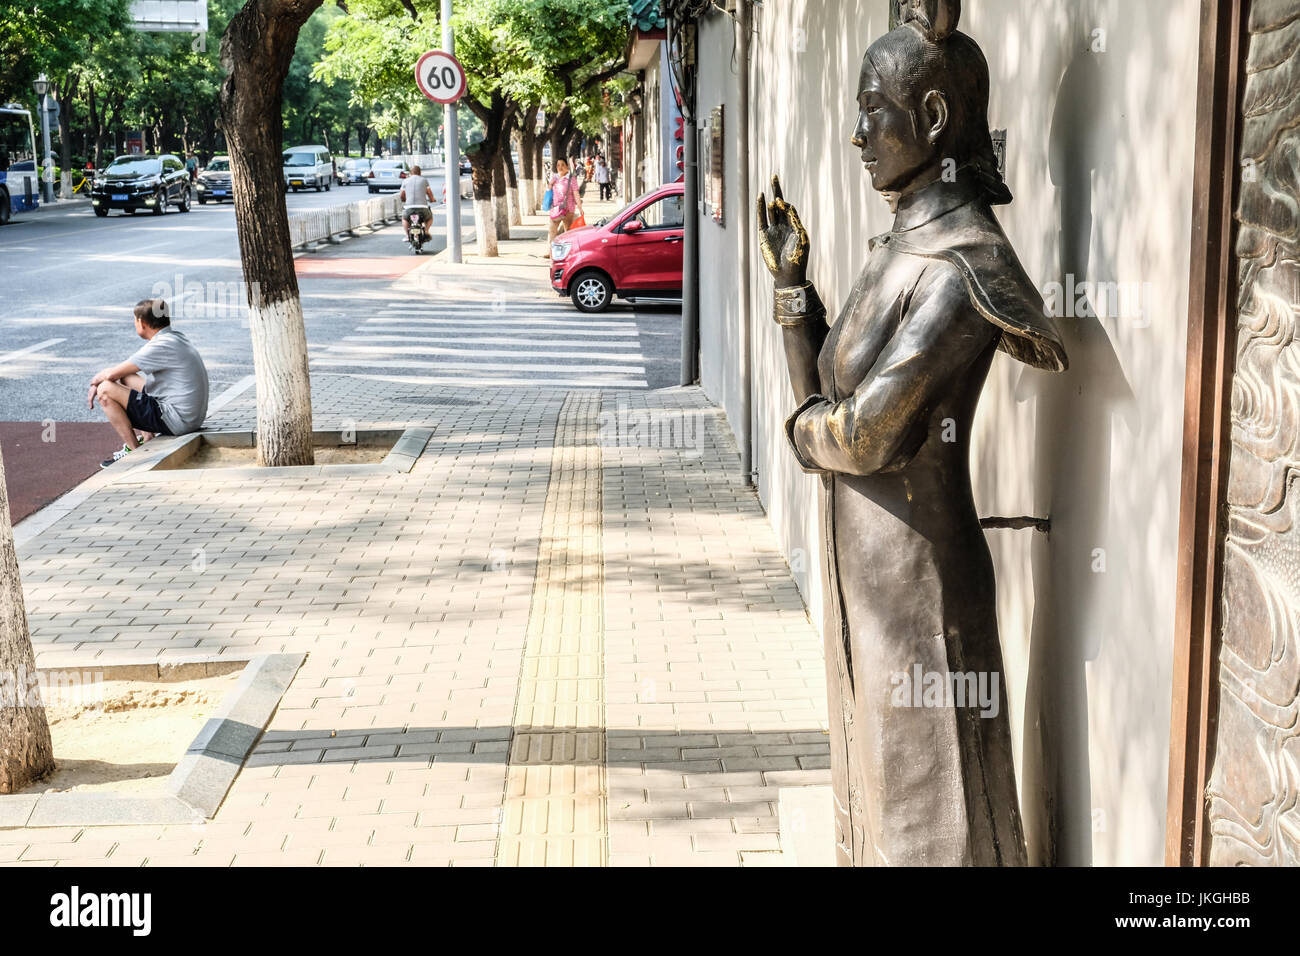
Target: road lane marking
<point>6,359</point>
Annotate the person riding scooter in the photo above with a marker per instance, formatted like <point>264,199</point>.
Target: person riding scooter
<point>415,190</point>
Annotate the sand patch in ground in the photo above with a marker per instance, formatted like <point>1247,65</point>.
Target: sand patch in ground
<point>216,456</point>
<point>128,735</point>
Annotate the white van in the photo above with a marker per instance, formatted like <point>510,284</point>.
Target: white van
<point>308,167</point>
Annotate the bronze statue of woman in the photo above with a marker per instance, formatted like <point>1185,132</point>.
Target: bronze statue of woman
<point>920,742</point>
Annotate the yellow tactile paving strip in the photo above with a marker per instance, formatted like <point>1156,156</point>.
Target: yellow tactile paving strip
<point>554,812</point>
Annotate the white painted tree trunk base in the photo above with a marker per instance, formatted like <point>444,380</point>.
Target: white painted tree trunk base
<point>516,215</point>
<point>501,210</point>
<point>283,386</point>
<point>485,227</point>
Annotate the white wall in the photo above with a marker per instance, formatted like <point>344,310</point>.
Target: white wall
<point>719,243</point>
<point>1100,159</point>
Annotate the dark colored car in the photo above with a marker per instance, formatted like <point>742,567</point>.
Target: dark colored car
<point>635,254</point>
<point>142,182</point>
<point>214,182</point>
<point>354,171</point>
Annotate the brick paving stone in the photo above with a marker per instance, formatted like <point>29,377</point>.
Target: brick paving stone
<point>628,678</point>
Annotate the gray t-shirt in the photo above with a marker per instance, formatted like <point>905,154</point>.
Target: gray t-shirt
<point>415,187</point>
<point>174,375</point>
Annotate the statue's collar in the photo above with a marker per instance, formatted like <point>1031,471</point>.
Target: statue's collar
<point>932,201</point>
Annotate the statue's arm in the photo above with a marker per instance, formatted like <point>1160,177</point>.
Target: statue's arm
<point>876,427</point>
<point>802,317</point>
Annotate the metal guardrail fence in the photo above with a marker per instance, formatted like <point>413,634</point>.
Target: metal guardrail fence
<point>320,225</point>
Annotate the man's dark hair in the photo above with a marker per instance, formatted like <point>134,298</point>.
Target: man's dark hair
<point>153,313</point>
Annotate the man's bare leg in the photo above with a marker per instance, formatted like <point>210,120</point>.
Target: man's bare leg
<point>113,397</point>
<point>135,382</point>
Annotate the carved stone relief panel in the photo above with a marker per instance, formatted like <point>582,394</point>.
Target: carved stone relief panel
<point>1253,805</point>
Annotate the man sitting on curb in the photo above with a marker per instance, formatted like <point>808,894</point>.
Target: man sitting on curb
<point>162,389</point>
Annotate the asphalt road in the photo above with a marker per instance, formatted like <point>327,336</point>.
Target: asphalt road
<point>70,280</point>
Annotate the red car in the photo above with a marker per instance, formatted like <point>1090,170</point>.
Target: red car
<point>635,254</point>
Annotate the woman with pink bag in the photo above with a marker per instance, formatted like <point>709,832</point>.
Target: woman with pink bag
<point>566,204</point>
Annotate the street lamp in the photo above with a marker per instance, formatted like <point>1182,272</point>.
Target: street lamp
<point>42,86</point>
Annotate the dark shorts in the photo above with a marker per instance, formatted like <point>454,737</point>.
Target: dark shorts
<point>143,412</point>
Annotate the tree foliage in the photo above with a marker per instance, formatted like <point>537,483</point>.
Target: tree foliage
<point>50,37</point>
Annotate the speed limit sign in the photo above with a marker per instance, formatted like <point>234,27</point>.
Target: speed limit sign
<point>440,76</point>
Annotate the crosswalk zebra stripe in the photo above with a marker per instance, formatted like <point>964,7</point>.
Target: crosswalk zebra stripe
<point>328,362</point>
<point>489,340</point>
<point>472,352</point>
<point>587,382</point>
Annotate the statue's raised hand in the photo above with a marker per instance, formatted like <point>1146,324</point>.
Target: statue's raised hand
<point>782,238</point>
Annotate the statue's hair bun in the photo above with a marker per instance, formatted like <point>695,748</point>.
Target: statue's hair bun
<point>937,19</point>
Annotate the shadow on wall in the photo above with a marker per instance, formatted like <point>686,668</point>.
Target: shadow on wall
<point>806,53</point>
<point>1072,456</point>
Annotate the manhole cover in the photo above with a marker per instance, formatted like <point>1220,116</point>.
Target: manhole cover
<point>434,400</point>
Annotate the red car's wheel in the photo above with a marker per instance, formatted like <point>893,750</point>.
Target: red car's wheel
<point>592,292</point>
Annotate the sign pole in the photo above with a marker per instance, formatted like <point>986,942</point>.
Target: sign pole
<point>451,150</point>
<point>47,159</point>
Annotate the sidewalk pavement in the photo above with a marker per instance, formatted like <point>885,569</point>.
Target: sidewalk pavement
<point>567,636</point>
<point>528,244</point>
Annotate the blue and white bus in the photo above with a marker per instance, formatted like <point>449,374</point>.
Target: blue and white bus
<point>20,187</point>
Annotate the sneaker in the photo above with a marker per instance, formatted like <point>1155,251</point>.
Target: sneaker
<point>117,456</point>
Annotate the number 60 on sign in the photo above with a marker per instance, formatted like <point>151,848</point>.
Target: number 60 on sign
<point>440,76</point>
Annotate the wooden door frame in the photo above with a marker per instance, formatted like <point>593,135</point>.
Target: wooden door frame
<point>1211,352</point>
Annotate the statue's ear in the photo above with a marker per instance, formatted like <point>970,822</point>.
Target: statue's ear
<point>935,105</point>
<point>936,18</point>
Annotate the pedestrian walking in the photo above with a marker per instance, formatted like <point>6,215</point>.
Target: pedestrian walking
<point>566,203</point>
<point>602,179</point>
<point>192,166</point>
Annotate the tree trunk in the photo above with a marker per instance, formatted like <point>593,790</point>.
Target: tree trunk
<point>512,182</point>
<point>528,159</point>
<point>485,225</point>
<point>96,125</point>
<point>543,174</point>
<point>65,137</point>
<point>256,51</point>
<point>500,199</point>
<point>490,218</point>
<point>26,753</point>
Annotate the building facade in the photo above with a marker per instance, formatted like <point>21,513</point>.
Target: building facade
<point>1098,101</point>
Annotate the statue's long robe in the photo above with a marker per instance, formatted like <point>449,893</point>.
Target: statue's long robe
<point>918,778</point>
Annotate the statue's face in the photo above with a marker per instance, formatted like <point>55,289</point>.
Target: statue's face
<point>893,138</point>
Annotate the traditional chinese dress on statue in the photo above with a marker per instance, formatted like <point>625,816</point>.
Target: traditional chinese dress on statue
<point>919,778</point>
